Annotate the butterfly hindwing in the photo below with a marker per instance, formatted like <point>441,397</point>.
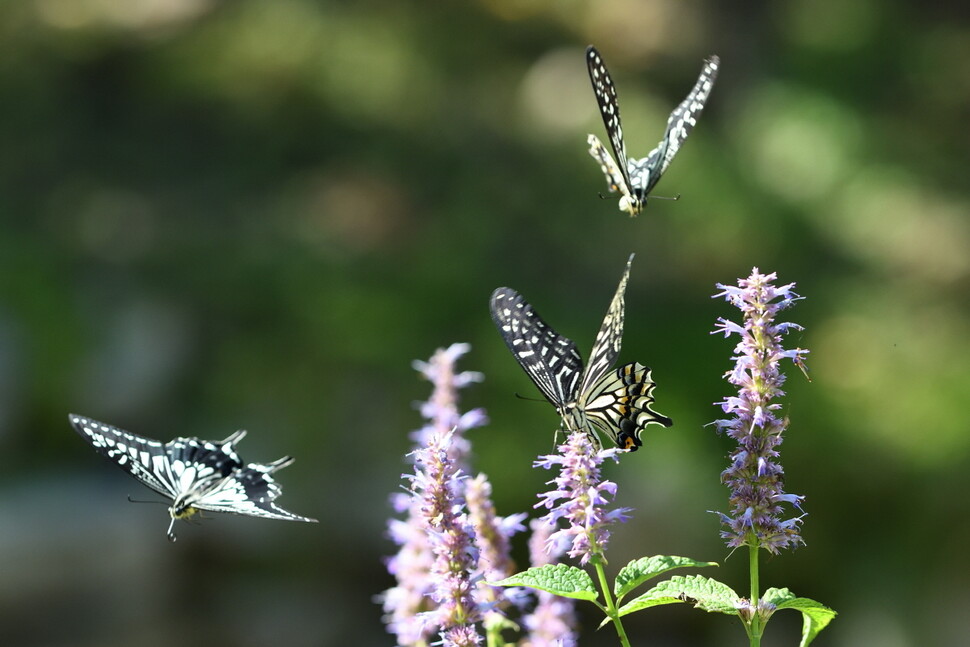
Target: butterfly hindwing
<point>619,405</point>
<point>615,179</point>
<point>551,360</point>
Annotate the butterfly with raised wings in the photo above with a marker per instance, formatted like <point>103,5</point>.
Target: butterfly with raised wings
<point>614,401</point>
<point>195,474</point>
<point>635,178</point>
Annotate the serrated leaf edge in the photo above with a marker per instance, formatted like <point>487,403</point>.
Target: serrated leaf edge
<point>586,591</point>
<point>645,577</point>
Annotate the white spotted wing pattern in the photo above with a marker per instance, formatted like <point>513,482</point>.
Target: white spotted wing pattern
<point>614,401</point>
<point>635,178</point>
<point>195,474</point>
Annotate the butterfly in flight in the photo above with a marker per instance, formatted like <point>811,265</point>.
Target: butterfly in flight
<point>634,178</point>
<point>195,474</point>
<point>614,401</point>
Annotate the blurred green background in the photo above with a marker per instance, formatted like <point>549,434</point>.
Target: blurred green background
<point>223,215</point>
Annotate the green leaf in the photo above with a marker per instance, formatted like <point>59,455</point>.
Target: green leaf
<point>777,596</point>
<point>560,579</point>
<point>815,616</point>
<point>645,601</point>
<point>646,568</point>
<point>707,594</point>
<point>639,604</point>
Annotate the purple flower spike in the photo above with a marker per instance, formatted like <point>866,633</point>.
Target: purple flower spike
<point>580,498</point>
<point>492,535</point>
<point>437,483</point>
<point>492,532</point>
<point>428,597</point>
<point>437,566</point>
<point>754,477</point>
<point>441,410</point>
<point>405,603</point>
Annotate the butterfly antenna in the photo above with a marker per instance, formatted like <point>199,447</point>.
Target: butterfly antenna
<point>602,197</point>
<point>130,500</point>
<point>665,197</point>
<point>522,397</point>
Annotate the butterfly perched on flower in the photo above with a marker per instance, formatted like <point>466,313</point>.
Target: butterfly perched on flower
<point>634,178</point>
<point>614,401</point>
<point>195,474</point>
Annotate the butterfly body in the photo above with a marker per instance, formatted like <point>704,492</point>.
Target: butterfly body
<point>195,474</point>
<point>632,178</point>
<point>615,402</point>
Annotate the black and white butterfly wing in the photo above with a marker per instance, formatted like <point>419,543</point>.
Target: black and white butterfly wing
<point>609,107</point>
<point>645,173</point>
<point>615,179</point>
<point>195,464</point>
<point>551,360</point>
<point>619,405</point>
<point>195,474</point>
<point>145,459</point>
<point>182,469</point>
<point>606,348</point>
<point>249,490</point>
<point>616,172</point>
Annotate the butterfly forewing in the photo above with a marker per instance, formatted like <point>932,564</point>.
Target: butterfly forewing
<point>645,173</point>
<point>683,119</point>
<point>551,360</point>
<point>250,491</point>
<point>218,458</point>
<point>606,348</point>
<point>145,459</point>
<point>609,107</point>
<point>196,465</point>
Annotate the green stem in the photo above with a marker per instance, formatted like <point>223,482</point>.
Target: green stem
<point>754,633</point>
<point>493,636</point>
<point>610,605</point>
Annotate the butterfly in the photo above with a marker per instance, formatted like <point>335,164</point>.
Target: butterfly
<point>195,474</point>
<point>614,401</point>
<point>633,178</point>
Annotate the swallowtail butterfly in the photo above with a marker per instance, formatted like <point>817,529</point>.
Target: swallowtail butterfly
<point>613,401</point>
<point>195,474</point>
<point>634,178</point>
